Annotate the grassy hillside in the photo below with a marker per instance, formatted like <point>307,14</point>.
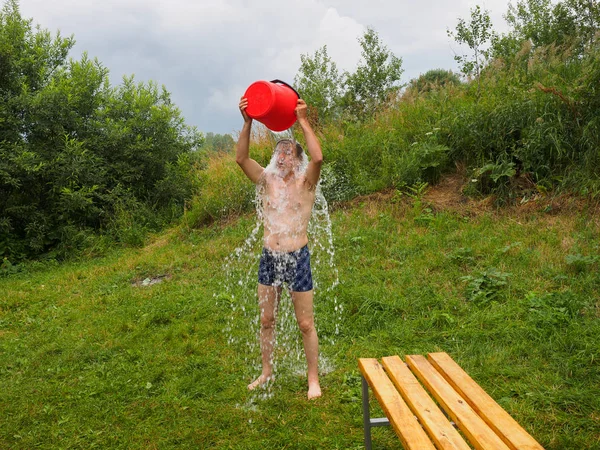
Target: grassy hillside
<point>92,358</point>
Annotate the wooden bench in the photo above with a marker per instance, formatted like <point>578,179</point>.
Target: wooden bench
<point>417,419</point>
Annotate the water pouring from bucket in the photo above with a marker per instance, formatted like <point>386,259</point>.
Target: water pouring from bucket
<point>287,194</point>
<point>272,103</point>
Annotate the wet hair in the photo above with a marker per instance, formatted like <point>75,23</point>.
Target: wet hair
<point>284,143</point>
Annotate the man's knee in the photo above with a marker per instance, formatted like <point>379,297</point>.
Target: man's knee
<point>267,320</point>
<point>306,325</point>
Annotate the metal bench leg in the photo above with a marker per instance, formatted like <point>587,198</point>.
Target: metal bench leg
<point>366,414</point>
<point>368,423</point>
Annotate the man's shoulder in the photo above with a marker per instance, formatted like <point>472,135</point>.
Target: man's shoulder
<point>265,177</point>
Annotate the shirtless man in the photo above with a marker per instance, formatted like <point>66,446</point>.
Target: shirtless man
<point>288,198</point>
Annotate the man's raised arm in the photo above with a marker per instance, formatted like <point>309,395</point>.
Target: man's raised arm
<point>313,171</point>
<point>251,168</point>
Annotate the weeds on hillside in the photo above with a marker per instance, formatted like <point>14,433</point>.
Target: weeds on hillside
<point>531,130</point>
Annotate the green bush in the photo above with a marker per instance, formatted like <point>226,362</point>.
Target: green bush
<point>433,80</point>
<point>74,150</point>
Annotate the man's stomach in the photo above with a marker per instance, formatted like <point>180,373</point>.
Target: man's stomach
<point>280,242</point>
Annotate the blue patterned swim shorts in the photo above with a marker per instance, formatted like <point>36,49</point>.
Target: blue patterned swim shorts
<point>293,268</point>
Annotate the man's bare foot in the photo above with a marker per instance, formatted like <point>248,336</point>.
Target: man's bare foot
<point>314,390</point>
<point>262,379</point>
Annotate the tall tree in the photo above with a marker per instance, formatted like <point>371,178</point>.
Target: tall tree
<point>587,15</point>
<point>222,143</point>
<point>476,34</point>
<point>28,59</point>
<point>545,23</point>
<point>376,78</point>
<point>534,20</point>
<point>320,84</point>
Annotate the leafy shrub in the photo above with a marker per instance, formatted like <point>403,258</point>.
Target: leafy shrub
<point>494,178</point>
<point>431,158</point>
<point>434,80</point>
<point>462,256</point>
<point>554,308</point>
<point>579,263</point>
<point>486,286</point>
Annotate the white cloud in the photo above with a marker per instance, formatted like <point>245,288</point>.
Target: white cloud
<point>207,52</point>
<point>195,16</point>
<point>340,34</point>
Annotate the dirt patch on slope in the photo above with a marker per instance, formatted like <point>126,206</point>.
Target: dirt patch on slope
<point>447,195</point>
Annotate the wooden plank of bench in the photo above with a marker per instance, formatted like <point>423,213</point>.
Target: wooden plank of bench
<point>481,436</point>
<point>412,436</point>
<point>441,431</point>
<point>496,417</point>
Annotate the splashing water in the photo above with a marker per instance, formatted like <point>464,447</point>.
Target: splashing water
<point>239,292</point>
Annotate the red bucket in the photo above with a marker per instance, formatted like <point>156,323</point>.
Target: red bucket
<point>272,103</point>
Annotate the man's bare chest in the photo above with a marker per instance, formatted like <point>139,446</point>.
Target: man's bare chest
<point>287,196</point>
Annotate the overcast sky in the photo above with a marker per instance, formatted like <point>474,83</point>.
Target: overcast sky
<point>207,52</point>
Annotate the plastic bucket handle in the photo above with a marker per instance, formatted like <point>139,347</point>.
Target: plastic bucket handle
<point>283,82</point>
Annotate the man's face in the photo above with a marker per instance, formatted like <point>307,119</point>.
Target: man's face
<point>285,158</point>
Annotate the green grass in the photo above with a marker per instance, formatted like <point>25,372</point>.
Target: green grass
<point>90,360</point>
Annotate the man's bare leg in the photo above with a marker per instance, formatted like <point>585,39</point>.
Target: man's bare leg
<point>303,307</point>
<point>268,300</point>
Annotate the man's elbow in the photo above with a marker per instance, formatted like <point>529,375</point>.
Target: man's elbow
<point>318,160</point>
<point>240,160</point>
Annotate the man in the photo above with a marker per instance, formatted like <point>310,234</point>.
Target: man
<point>288,195</point>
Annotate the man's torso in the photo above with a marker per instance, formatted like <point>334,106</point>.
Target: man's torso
<point>287,206</point>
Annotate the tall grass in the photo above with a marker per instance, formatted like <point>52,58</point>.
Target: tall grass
<point>222,188</point>
<point>532,127</point>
